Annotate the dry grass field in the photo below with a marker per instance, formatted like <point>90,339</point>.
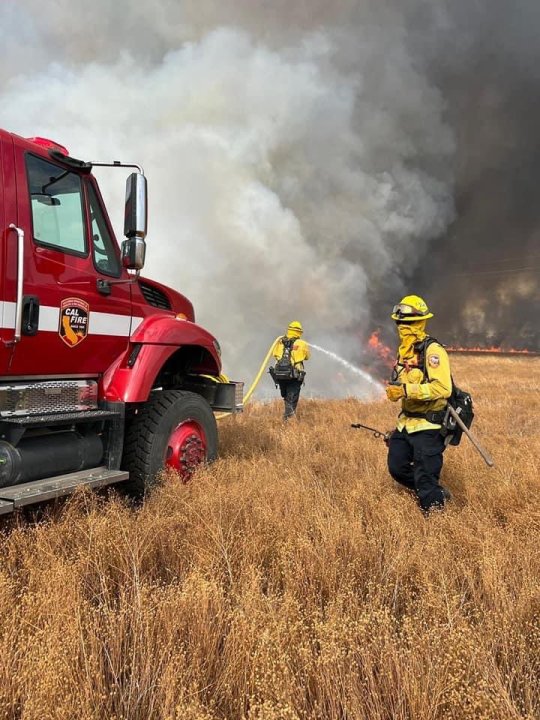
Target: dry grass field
<point>292,579</point>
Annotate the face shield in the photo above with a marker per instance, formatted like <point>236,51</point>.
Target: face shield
<point>407,313</point>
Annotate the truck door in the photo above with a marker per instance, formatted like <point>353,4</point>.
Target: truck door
<point>76,318</point>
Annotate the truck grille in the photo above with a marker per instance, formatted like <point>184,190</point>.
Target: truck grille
<point>154,296</point>
<point>50,396</point>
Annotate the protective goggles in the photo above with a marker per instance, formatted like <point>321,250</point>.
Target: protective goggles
<point>407,311</point>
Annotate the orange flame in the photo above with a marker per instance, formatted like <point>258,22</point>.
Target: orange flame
<point>380,349</point>
<point>387,355</point>
<point>492,349</point>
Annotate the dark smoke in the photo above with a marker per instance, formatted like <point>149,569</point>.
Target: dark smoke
<point>308,159</point>
<point>482,276</point>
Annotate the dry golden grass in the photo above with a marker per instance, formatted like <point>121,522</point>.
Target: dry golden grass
<point>293,579</point>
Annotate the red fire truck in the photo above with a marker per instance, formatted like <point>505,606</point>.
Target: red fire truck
<point>104,375</point>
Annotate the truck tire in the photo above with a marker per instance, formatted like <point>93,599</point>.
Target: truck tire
<point>175,429</point>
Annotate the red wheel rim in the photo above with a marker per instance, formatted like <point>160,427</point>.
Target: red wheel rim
<point>186,448</point>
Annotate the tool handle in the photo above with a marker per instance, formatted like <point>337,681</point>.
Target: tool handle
<point>487,457</point>
<point>376,433</point>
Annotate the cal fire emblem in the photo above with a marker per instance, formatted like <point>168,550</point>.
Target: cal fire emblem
<point>74,316</point>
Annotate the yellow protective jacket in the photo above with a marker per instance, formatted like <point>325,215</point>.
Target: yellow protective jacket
<point>300,351</point>
<point>424,391</point>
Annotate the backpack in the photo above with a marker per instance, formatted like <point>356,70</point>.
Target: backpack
<point>462,403</point>
<point>284,368</point>
<point>460,400</point>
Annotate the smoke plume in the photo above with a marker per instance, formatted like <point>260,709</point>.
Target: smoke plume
<point>306,160</point>
<point>488,265</point>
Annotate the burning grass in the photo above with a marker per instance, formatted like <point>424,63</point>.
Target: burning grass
<point>293,579</point>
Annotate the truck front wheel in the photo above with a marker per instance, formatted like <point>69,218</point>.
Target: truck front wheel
<point>175,429</point>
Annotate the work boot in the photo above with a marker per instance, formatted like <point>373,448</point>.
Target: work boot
<point>437,505</point>
<point>289,412</point>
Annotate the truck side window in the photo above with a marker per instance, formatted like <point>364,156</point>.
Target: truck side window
<point>104,248</point>
<point>57,206</point>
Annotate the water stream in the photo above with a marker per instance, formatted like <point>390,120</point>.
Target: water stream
<point>356,370</point>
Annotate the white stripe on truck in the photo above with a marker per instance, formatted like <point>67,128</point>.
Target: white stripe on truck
<point>98,324</point>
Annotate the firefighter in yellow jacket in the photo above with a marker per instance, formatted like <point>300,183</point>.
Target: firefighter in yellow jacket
<point>290,353</point>
<point>421,380</point>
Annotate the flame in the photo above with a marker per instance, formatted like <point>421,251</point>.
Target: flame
<point>387,356</point>
<point>382,351</point>
<point>492,349</point>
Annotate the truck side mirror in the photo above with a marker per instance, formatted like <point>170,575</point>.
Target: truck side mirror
<point>133,252</point>
<point>135,222</point>
<point>136,212</point>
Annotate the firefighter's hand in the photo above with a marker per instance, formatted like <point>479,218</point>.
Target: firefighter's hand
<point>395,392</point>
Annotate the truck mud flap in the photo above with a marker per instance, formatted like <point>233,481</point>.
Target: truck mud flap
<point>40,490</point>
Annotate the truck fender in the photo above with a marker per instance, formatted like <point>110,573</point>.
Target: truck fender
<point>169,330</point>
<point>157,341</point>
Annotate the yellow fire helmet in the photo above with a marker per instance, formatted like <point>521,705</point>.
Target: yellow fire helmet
<point>295,325</point>
<point>411,309</point>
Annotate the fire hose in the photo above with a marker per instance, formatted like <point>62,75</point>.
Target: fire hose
<point>257,379</point>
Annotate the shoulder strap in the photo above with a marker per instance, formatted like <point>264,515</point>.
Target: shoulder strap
<point>288,342</point>
<point>421,348</point>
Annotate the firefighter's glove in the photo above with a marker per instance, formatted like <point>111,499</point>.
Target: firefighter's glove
<point>395,392</point>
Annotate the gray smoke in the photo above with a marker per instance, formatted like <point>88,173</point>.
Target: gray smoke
<point>302,156</point>
<point>488,266</point>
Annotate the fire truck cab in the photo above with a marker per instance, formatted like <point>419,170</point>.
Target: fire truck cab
<point>104,375</point>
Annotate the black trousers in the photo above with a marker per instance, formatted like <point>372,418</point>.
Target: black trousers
<point>416,461</point>
<point>290,392</point>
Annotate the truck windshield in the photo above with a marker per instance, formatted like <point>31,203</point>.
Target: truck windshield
<point>57,207</point>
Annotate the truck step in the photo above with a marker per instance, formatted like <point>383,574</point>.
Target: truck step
<point>59,418</point>
<point>40,490</point>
